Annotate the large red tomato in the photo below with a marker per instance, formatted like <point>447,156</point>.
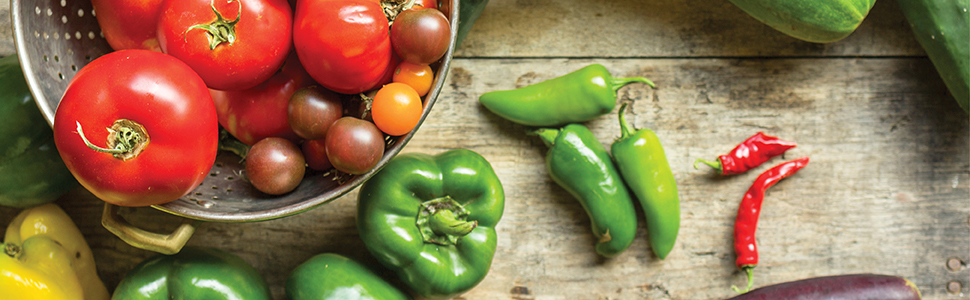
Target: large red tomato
<point>260,112</point>
<point>233,45</point>
<point>163,123</point>
<point>343,44</point>
<point>129,24</point>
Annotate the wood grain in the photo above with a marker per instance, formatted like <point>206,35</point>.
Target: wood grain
<point>887,189</point>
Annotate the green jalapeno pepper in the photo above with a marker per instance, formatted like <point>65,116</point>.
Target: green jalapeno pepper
<point>579,163</point>
<point>646,171</point>
<point>431,219</point>
<point>580,96</point>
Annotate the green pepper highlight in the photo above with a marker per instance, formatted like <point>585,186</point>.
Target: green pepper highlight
<point>193,273</point>
<point>330,276</point>
<point>643,164</point>
<point>414,217</point>
<point>577,97</point>
<point>579,163</point>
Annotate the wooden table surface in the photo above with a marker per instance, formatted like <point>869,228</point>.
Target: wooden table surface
<point>887,190</point>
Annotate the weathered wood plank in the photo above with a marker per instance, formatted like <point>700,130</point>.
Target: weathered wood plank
<point>664,28</point>
<point>886,191</point>
<point>636,28</point>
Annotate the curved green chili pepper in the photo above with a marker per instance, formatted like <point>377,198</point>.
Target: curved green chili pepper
<point>579,163</point>
<point>580,96</point>
<point>331,276</point>
<point>644,166</point>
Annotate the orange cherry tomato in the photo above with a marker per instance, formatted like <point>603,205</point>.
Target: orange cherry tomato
<point>417,76</point>
<point>396,109</point>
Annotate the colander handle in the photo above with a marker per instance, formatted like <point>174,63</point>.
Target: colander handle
<point>165,244</point>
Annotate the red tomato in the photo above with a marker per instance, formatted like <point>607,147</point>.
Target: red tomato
<point>256,38</point>
<point>260,112</point>
<point>343,44</point>
<point>164,96</point>
<point>426,3</point>
<point>129,24</point>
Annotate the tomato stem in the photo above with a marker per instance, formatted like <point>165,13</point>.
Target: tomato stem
<point>394,7</point>
<point>126,139</point>
<point>221,30</point>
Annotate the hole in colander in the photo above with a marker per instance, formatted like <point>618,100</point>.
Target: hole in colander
<point>215,197</point>
<point>64,19</point>
<point>46,36</point>
<point>37,10</point>
<point>230,177</point>
<point>87,57</point>
<point>198,193</point>
<point>73,67</point>
<point>215,187</point>
<point>50,12</point>
<point>94,13</point>
<point>80,12</point>
<point>60,75</point>
<point>77,35</point>
<point>219,165</point>
<point>63,3</point>
<point>57,58</point>
<point>228,190</point>
<point>45,57</point>
<point>67,36</point>
<point>91,35</point>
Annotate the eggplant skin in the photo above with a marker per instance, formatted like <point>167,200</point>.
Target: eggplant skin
<point>838,287</point>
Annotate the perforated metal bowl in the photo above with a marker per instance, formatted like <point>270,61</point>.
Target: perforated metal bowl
<point>56,38</point>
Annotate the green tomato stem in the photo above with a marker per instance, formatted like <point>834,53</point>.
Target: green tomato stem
<point>221,30</point>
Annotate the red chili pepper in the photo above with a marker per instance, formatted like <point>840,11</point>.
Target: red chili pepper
<point>751,153</point>
<point>747,219</point>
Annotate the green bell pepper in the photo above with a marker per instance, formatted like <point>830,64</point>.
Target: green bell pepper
<point>468,13</point>
<point>331,276</point>
<point>643,164</point>
<point>431,219</point>
<point>31,171</point>
<point>579,163</point>
<point>193,273</point>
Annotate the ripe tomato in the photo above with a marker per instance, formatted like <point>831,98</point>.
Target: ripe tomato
<point>419,77</point>
<point>129,24</point>
<point>353,145</point>
<point>311,111</point>
<point>421,36</point>
<point>261,111</point>
<point>156,91</point>
<point>396,109</point>
<point>233,45</point>
<point>343,44</point>
<point>275,166</point>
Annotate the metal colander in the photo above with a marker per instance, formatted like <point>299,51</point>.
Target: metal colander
<point>56,38</point>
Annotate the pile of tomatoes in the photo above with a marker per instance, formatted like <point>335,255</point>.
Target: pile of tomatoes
<point>305,84</point>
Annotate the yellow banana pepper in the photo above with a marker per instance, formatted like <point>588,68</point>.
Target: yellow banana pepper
<point>44,256</point>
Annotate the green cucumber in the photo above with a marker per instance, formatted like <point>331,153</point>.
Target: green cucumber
<point>817,21</point>
<point>942,27</point>
<point>31,170</point>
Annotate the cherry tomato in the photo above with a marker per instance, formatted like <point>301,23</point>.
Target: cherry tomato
<point>344,44</point>
<point>311,111</point>
<point>233,45</point>
<point>421,36</point>
<point>275,166</point>
<point>164,102</point>
<point>396,109</point>
<point>129,24</point>
<point>419,77</point>
<point>261,111</point>
<point>315,153</point>
<point>354,146</point>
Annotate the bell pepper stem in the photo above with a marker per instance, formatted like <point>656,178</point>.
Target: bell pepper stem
<point>444,222</point>
<point>618,83</point>
<point>11,249</point>
<point>747,270</point>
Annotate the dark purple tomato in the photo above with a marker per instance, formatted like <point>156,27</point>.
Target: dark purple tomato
<point>421,36</point>
<point>354,146</point>
<point>275,165</point>
<point>315,152</point>
<point>311,111</point>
